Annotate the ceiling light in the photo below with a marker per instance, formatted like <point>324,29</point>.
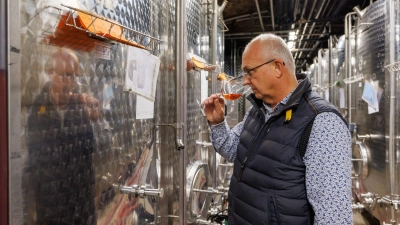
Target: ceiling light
<point>290,44</point>
<point>292,35</point>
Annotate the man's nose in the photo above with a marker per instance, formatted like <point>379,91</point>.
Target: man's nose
<point>246,80</point>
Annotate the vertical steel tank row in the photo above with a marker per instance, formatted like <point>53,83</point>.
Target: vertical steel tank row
<point>122,146</point>
<point>370,150</point>
<point>131,162</point>
<point>368,81</point>
<point>339,74</point>
<point>373,107</point>
<point>332,86</point>
<point>167,163</point>
<point>203,169</point>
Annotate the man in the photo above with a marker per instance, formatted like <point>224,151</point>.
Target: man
<point>60,145</point>
<point>285,172</point>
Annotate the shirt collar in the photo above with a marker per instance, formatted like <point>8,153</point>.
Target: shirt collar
<point>269,109</point>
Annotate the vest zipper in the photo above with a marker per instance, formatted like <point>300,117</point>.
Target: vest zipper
<point>283,109</point>
<point>242,168</point>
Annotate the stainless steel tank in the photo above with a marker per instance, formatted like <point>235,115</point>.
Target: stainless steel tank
<point>369,81</point>
<point>126,166</point>
<point>370,149</point>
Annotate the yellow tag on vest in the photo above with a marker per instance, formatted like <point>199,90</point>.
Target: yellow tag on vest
<point>42,110</point>
<point>288,115</point>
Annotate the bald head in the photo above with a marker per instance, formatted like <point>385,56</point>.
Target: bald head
<point>63,60</point>
<point>273,46</point>
<point>62,68</point>
<point>269,67</point>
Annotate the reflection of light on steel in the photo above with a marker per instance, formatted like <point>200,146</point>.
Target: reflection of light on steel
<point>123,208</point>
<point>353,79</point>
<point>360,158</point>
<point>197,190</point>
<point>393,67</point>
<point>358,11</point>
<point>141,191</point>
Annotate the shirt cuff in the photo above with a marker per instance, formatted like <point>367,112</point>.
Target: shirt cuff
<point>218,129</point>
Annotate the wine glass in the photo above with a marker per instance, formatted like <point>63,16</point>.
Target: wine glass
<point>231,89</point>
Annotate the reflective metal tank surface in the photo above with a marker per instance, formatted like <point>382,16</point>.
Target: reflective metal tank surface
<point>369,61</point>
<point>81,151</point>
<point>369,82</point>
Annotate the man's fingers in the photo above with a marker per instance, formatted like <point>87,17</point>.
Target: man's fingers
<point>219,104</point>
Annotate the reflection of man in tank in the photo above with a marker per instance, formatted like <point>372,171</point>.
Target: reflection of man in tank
<point>60,147</point>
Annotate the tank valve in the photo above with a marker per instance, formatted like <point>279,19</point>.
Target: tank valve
<point>358,207</point>
<point>370,136</point>
<point>200,221</point>
<point>370,199</point>
<point>364,137</point>
<point>141,191</point>
<point>393,201</point>
<point>177,127</point>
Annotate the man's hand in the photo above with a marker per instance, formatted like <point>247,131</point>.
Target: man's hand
<point>90,106</point>
<point>214,108</point>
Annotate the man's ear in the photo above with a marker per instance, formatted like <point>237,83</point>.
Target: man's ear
<point>279,68</point>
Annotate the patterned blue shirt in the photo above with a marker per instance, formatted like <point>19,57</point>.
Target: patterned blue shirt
<point>327,160</point>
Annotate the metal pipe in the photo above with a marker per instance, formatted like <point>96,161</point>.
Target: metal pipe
<point>305,26</point>
<point>271,5</point>
<point>296,7</point>
<point>259,15</point>
<point>358,11</point>
<point>234,58</point>
<point>244,17</point>
<point>313,24</point>
<point>5,207</point>
<point>312,28</point>
<point>392,147</point>
<point>295,41</point>
<point>330,63</point>
<point>282,31</point>
<point>214,60</point>
<point>214,43</point>
<point>347,56</point>
<point>301,18</point>
<point>181,102</point>
<point>304,9</point>
<point>302,50</point>
<point>220,15</point>
<point>309,18</point>
<point>324,25</point>
<point>222,7</point>
<point>315,46</point>
<point>232,55</point>
<point>14,110</point>
<point>319,68</point>
<point>315,61</point>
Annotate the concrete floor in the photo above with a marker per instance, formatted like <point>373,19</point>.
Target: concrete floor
<point>358,219</point>
<point>364,218</point>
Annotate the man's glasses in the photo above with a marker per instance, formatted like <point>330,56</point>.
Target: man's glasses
<point>247,72</point>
